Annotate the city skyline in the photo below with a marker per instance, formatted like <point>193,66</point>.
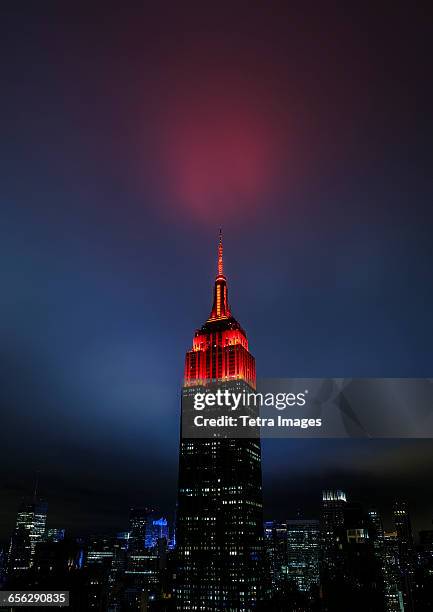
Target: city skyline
<point>310,147</point>
<point>299,513</point>
<point>347,547</point>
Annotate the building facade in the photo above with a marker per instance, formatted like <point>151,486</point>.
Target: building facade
<point>303,548</point>
<point>406,552</point>
<point>219,516</point>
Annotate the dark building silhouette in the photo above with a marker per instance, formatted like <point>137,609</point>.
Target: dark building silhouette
<point>29,531</point>
<point>386,552</point>
<point>276,550</point>
<point>426,543</point>
<point>219,517</point>
<point>303,554</point>
<point>351,576</point>
<point>3,567</point>
<point>332,520</point>
<point>393,593</point>
<point>406,552</point>
<point>424,572</point>
<point>376,532</point>
<point>56,559</point>
<point>139,520</point>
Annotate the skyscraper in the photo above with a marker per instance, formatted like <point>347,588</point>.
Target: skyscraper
<point>376,532</point>
<point>139,518</point>
<point>276,550</point>
<point>303,546</point>
<point>406,551</point>
<point>351,570</point>
<point>332,533</point>
<point>219,519</point>
<point>29,531</point>
<point>393,594</point>
<point>157,529</point>
<point>333,506</point>
<point>332,520</point>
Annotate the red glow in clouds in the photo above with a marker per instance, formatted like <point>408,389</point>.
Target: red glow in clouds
<point>220,154</point>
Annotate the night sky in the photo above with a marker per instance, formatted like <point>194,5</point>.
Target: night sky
<point>129,134</point>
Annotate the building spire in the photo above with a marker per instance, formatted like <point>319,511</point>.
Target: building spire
<point>220,308</point>
<point>35,490</point>
<point>220,254</point>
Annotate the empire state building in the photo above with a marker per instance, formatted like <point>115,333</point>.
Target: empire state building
<point>219,516</point>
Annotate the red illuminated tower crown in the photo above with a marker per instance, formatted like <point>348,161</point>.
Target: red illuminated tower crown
<point>220,347</point>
